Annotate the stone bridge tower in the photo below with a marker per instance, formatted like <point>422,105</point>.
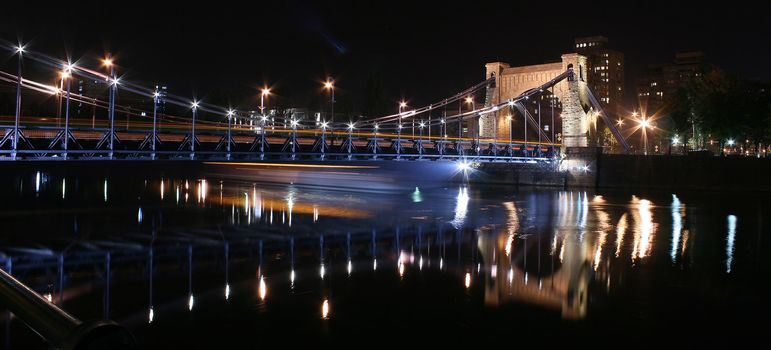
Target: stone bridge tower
<point>513,81</point>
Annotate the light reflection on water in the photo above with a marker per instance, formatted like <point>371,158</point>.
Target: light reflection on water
<point>549,249</point>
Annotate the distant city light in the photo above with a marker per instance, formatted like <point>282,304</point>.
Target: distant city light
<point>194,104</point>
<point>731,142</point>
<point>675,140</point>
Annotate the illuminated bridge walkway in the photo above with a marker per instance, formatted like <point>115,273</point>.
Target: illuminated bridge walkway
<point>204,131</point>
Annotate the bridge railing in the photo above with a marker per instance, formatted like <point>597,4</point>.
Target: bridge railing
<point>253,143</point>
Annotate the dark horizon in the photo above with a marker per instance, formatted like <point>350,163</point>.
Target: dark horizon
<point>420,53</point>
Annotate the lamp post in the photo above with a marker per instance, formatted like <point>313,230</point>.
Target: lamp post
<point>156,95</point>
<point>323,143</point>
<point>67,75</point>
<point>645,124</point>
<point>351,126</point>
<point>262,137</point>
<point>113,83</point>
<point>330,86</point>
<point>730,143</point>
<point>264,92</point>
<point>470,102</point>
<point>192,130</point>
<point>675,141</point>
<point>19,51</point>
<point>230,127</point>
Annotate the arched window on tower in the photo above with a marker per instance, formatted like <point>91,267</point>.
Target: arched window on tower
<point>570,75</point>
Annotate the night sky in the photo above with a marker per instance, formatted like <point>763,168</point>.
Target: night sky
<point>224,52</point>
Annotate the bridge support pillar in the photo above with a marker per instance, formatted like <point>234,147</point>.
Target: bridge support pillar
<point>581,165</point>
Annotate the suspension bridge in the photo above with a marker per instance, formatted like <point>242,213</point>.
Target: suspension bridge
<point>424,133</point>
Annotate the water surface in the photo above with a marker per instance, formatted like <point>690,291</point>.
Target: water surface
<point>201,262</point>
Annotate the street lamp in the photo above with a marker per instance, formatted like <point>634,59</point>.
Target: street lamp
<point>645,124</point>
<point>351,126</point>
<point>192,134</point>
<point>264,92</point>
<point>675,141</point>
<point>110,64</point>
<point>66,75</point>
<point>19,51</point>
<point>402,106</point>
<point>330,86</point>
<point>470,101</point>
<point>231,112</point>
<point>323,143</point>
<point>156,96</point>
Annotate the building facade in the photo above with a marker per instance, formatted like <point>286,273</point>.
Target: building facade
<point>605,68</point>
<point>663,80</point>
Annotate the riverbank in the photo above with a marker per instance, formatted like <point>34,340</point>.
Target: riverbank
<point>684,172</point>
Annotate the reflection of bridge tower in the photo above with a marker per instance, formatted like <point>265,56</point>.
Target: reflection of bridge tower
<point>564,289</point>
<point>513,81</point>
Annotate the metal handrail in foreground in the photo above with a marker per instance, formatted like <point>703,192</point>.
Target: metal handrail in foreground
<point>58,327</point>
